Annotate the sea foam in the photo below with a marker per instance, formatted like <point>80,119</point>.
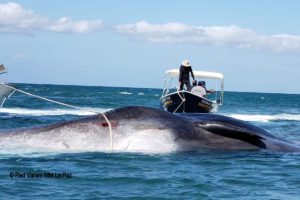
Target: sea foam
<point>266,118</point>
<point>50,112</point>
<point>91,139</point>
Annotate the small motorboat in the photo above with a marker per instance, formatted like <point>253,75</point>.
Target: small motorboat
<point>184,101</point>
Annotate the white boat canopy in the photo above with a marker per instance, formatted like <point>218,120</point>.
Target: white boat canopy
<point>197,74</point>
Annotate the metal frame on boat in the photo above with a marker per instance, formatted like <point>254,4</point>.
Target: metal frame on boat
<point>176,101</point>
<point>6,90</point>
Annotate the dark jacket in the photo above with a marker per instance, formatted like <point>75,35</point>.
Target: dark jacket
<point>184,73</point>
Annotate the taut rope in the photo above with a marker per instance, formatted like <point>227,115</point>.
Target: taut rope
<point>67,105</point>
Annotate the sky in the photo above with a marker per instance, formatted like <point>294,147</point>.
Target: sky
<point>254,43</point>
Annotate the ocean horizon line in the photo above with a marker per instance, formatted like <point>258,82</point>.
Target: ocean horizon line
<point>135,87</point>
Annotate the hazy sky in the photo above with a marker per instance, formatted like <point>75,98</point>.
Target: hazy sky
<point>255,44</point>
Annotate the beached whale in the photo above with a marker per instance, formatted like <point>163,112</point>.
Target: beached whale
<point>181,132</point>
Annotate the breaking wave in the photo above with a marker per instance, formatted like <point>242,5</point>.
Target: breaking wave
<point>126,93</point>
<point>59,112</point>
<point>266,118</point>
<point>73,140</point>
<point>52,112</point>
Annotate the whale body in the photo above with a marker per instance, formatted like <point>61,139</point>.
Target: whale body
<point>184,132</point>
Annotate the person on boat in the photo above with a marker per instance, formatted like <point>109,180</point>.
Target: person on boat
<point>184,75</point>
<point>207,91</point>
<point>199,89</point>
<point>202,84</point>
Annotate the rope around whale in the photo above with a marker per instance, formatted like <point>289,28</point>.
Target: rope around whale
<point>67,105</point>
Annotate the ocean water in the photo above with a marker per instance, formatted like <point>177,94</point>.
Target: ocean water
<point>152,170</point>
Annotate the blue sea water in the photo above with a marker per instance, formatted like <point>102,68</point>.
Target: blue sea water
<point>159,172</point>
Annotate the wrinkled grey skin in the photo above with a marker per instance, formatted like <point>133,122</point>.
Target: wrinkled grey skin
<point>201,131</point>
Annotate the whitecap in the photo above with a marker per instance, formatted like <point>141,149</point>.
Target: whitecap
<point>126,93</point>
<point>266,118</point>
<point>51,112</point>
<point>91,139</point>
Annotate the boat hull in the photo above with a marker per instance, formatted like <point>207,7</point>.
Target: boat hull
<point>186,102</point>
